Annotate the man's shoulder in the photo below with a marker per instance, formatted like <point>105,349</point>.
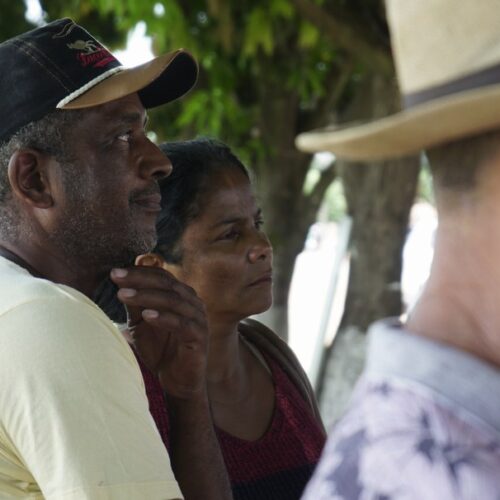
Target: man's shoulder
<point>18,288</point>
<point>37,314</point>
<point>393,435</point>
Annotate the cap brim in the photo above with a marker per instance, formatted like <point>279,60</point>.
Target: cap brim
<point>410,131</point>
<point>157,82</point>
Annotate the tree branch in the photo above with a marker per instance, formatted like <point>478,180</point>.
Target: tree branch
<point>337,81</point>
<point>327,177</point>
<point>352,37</point>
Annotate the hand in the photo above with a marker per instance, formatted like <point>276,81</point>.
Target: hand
<point>168,327</point>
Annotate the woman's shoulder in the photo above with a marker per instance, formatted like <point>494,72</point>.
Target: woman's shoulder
<point>252,330</point>
<point>270,344</point>
<point>273,346</point>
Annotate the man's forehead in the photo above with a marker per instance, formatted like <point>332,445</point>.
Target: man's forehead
<point>127,110</point>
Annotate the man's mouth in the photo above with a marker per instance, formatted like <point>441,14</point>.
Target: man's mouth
<point>150,202</point>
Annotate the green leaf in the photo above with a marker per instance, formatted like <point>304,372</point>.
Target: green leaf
<point>308,35</point>
<point>258,33</point>
<point>281,8</point>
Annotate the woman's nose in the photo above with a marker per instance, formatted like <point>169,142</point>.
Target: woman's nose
<point>261,250</point>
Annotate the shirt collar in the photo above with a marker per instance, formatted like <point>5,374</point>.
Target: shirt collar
<point>454,374</point>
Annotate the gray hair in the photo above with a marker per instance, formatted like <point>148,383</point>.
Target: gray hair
<point>49,135</point>
<point>456,165</point>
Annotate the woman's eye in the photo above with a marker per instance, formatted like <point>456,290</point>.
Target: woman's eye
<point>259,223</point>
<point>230,235</point>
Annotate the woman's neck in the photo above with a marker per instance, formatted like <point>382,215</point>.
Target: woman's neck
<point>225,353</point>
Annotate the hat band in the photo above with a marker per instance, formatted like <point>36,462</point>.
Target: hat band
<point>479,79</point>
<point>87,86</point>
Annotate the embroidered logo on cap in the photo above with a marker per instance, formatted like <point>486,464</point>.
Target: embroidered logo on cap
<point>89,52</point>
<point>66,30</point>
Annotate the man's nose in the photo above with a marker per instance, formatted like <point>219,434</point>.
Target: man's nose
<point>153,163</point>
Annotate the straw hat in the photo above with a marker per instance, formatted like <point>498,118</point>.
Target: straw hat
<point>447,56</point>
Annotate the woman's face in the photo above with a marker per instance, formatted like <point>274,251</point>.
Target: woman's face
<point>226,257</point>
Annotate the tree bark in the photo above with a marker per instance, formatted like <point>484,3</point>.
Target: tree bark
<point>379,198</point>
<point>355,37</point>
<point>288,214</point>
<point>288,210</point>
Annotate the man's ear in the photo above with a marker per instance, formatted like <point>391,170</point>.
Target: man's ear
<point>150,260</point>
<point>27,171</point>
<point>156,260</point>
<point>174,269</point>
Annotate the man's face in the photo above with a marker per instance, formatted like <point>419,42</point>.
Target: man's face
<point>108,194</point>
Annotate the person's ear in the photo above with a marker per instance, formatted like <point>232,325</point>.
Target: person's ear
<point>27,172</point>
<point>174,269</point>
<point>150,260</point>
<point>156,260</point>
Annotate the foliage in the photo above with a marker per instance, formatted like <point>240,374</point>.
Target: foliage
<point>269,69</point>
<point>12,19</point>
<point>242,47</point>
<point>334,204</point>
<point>425,188</point>
<point>334,207</point>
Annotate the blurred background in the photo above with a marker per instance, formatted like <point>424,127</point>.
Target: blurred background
<point>352,242</point>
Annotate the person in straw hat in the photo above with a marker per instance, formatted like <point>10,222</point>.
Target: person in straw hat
<point>79,196</point>
<point>424,420</point>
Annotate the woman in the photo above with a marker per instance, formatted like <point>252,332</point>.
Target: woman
<point>210,235</point>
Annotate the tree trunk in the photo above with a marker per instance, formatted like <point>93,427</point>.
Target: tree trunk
<point>379,198</point>
<point>288,211</point>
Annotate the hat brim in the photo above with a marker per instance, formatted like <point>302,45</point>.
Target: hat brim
<point>157,82</point>
<point>410,131</point>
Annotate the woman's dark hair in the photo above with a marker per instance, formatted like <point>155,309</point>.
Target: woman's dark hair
<point>194,163</point>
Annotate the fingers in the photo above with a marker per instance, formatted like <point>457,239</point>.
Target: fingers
<point>169,306</point>
<point>151,277</point>
<point>154,295</point>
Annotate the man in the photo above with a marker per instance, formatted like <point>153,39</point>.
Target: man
<point>78,197</point>
<point>424,421</point>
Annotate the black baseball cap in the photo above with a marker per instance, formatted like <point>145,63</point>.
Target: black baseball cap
<point>61,66</point>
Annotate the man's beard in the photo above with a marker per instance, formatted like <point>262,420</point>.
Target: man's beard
<point>87,241</point>
<point>100,238</point>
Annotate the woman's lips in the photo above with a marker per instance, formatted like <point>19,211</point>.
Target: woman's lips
<point>265,278</point>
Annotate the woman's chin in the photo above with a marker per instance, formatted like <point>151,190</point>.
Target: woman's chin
<point>263,307</point>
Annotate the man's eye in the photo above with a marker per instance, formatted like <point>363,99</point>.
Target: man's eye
<point>259,223</point>
<point>125,137</point>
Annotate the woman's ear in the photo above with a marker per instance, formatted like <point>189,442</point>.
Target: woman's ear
<point>27,172</point>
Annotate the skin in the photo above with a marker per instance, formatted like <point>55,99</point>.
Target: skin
<point>77,234</point>
<point>74,234</point>
<point>459,305</point>
<point>227,260</point>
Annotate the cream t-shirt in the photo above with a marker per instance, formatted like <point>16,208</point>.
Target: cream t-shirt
<point>74,418</point>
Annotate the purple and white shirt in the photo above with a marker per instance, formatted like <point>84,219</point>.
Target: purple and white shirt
<point>423,423</point>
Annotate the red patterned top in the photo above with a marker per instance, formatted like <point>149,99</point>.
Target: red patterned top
<point>278,465</point>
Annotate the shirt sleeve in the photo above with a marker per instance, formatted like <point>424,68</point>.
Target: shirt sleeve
<point>73,406</point>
